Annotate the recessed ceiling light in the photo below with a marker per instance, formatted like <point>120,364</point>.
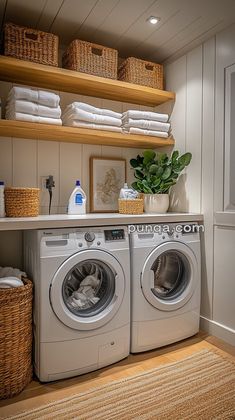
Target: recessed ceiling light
<point>153,20</point>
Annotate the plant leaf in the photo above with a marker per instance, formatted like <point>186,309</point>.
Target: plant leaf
<point>167,173</point>
<point>185,159</point>
<point>134,163</point>
<point>153,169</point>
<point>149,156</point>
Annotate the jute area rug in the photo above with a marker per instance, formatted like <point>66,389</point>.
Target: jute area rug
<point>200,387</point>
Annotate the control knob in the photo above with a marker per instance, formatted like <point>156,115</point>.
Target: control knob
<point>89,236</point>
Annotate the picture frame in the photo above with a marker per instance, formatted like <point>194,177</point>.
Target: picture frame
<point>107,177</point>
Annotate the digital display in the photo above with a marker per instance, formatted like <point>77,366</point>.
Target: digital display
<point>115,234</point>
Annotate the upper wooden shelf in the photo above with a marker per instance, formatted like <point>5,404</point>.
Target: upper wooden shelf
<point>48,77</point>
<point>27,130</point>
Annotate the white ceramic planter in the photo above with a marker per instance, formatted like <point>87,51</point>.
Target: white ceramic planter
<point>156,203</point>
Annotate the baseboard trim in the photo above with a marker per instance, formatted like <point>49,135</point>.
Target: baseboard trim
<point>218,330</point>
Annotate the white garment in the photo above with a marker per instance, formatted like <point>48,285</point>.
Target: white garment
<point>146,124</point>
<point>75,123</point>
<point>145,115</point>
<point>41,97</point>
<point>134,130</point>
<point>32,108</point>
<point>8,282</point>
<point>93,109</point>
<point>80,115</point>
<point>11,272</point>
<point>19,116</point>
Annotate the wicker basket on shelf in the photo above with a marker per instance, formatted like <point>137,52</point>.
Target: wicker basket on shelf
<point>90,58</point>
<point>140,72</point>
<point>15,339</point>
<point>22,202</point>
<point>135,206</point>
<point>30,44</point>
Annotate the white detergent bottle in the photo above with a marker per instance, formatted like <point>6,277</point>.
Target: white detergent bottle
<point>77,200</point>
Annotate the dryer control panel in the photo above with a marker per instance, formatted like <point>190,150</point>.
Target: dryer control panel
<point>114,235</point>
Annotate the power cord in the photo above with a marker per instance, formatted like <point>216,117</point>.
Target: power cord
<point>50,183</point>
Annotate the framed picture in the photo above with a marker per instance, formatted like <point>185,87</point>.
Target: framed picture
<point>107,177</point>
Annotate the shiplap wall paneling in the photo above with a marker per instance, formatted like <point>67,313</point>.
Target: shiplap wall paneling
<point>193,128</point>
<point>6,167</point>
<point>207,189</point>
<point>24,163</point>
<point>176,78</point>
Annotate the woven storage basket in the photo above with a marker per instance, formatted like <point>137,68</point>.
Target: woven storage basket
<point>91,58</point>
<point>131,206</point>
<point>30,44</point>
<point>141,72</point>
<point>15,339</point>
<point>22,202</point>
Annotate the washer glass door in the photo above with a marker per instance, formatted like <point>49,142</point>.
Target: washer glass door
<point>87,289</point>
<point>169,276</point>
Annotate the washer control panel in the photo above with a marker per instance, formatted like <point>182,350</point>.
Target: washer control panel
<point>114,234</point>
<point>89,236</point>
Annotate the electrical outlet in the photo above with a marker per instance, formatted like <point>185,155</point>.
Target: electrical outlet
<point>45,180</point>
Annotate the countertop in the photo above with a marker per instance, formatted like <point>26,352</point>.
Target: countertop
<point>94,219</point>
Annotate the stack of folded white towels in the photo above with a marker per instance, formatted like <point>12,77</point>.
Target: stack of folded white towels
<point>146,123</point>
<point>33,105</point>
<point>79,114</point>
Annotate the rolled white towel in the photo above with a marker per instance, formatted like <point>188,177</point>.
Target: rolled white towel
<point>89,108</point>
<point>32,108</point>
<point>146,115</point>
<point>146,124</point>
<point>19,116</point>
<point>11,272</point>
<point>80,115</point>
<point>41,97</point>
<point>134,130</point>
<point>8,282</point>
<point>75,123</point>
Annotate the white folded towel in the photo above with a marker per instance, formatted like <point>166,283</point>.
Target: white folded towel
<point>75,123</point>
<point>134,130</point>
<point>8,282</point>
<point>93,109</point>
<point>19,116</point>
<point>80,115</point>
<point>145,115</point>
<point>11,272</point>
<point>32,108</point>
<point>145,124</point>
<point>41,97</point>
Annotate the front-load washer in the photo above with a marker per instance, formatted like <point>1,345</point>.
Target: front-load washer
<point>165,284</point>
<point>82,298</point>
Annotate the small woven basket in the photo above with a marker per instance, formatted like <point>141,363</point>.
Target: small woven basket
<point>140,72</point>
<point>31,44</point>
<point>22,202</point>
<point>90,58</point>
<point>135,206</point>
<point>15,339</point>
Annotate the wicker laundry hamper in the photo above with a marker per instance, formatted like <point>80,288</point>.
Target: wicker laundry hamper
<point>22,202</point>
<point>140,72</point>
<point>15,339</point>
<point>31,44</point>
<point>90,58</point>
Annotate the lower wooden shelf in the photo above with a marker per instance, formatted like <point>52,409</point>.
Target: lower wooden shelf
<point>27,130</point>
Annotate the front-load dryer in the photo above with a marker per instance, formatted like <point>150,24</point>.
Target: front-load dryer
<point>82,299</point>
<point>165,284</point>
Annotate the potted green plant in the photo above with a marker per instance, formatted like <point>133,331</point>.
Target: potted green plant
<point>155,174</point>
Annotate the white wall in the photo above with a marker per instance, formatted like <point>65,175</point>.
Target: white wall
<point>198,126</point>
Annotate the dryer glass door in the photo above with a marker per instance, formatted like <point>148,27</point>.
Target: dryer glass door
<point>170,275</point>
<point>87,290</point>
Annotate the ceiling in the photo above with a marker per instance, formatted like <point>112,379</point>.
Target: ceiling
<point>122,24</point>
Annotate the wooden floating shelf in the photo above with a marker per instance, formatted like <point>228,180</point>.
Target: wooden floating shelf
<point>48,77</point>
<point>27,130</point>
